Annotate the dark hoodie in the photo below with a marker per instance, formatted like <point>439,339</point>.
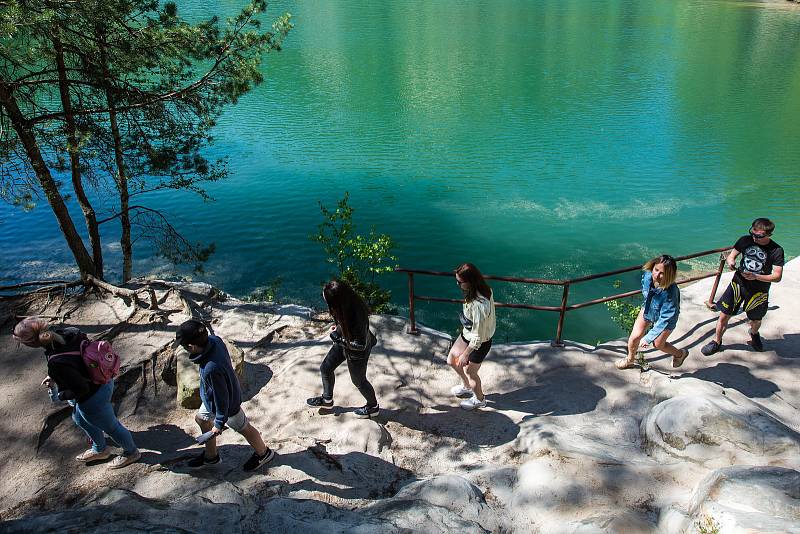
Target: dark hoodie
<point>219,385</point>
<point>68,370</point>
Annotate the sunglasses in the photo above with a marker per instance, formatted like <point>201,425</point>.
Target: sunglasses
<point>758,236</point>
<point>459,282</point>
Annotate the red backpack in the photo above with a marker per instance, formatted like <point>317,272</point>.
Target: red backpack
<point>100,360</point>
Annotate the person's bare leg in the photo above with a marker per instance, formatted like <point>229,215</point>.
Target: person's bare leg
<point>722,324</point>
<point>754,326</point>
<point>663,345</point>
<point>637,333</point>
<point>253,437</point>
<point>211,445</point>
<point>474,379</point>
<point>452,359</point>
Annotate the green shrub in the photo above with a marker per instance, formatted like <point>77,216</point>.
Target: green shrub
<point>358,259</point>
<point>269,293</point>
<point>624,311</point>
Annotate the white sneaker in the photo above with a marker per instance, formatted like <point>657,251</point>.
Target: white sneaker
<point>473,403</point>
<point>461,391</point>
<point>92,456</point>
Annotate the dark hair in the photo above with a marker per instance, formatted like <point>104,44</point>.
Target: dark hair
<point>346,306</point>
<point>764,224</point>
<point>670,268</point>
<point>473,277</point>
<point>192,332</point>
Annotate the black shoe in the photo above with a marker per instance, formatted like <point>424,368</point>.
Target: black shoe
<point>710,348</point>
<point>319,401</point>
<point>755,342</point>
<point>200,460</point>
<point>256,461</point>
<point>365,412</point>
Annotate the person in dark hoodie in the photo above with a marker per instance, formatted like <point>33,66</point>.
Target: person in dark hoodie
<point>221,395</point>
<point>68,380</point>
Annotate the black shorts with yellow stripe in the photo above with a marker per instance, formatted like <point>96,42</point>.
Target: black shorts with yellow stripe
<point>739,296</point>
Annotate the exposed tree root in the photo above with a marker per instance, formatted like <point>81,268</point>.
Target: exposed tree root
<point>130,296</point>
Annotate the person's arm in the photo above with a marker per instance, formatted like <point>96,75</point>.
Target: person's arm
<point>221,395</point>
<point>731,259</point>
<point>774,277</point>
<point>71,383</point>
<point>359,344</point>
<point>669,309</point>
<point>478,314</point>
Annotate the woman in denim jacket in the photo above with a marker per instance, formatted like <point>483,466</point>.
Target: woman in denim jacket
<point>659,313</point>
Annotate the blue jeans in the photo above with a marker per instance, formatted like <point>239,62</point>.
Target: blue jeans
<point>95,416</point>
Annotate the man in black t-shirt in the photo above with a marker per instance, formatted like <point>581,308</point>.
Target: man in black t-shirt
<point>761,265</point>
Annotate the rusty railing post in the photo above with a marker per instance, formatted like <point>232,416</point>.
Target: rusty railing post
<point>710,304</point>
<point>557,342</point>
<point>412,324</point>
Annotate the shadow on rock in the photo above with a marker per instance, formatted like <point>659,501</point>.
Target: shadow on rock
<point>258,376</point>
<point>563,391</point>
<point>167,441</point>
<point>353,475</point>
<point>481,427</point>
<point>738,377</point>
<point>786,347</point>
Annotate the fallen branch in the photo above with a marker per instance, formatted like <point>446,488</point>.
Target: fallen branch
<point>41,283</point>
<point>46,289</point>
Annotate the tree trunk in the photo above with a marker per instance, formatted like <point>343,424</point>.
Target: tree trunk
<point>122,177</point>
<point>74,160</point>
<point>54,198</point>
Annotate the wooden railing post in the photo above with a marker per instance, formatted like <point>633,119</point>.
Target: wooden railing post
<point>557,342</point>
<point>412,324</point>
<point>710,304</point>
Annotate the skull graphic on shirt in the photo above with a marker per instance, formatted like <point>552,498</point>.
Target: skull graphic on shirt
<point>754,258</point>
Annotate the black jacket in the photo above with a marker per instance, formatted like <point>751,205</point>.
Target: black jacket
<point>68,371</point>
<point>361,346</point>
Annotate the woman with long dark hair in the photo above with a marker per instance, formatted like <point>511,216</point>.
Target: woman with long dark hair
<point>478,322</point>
<point>352,341</point>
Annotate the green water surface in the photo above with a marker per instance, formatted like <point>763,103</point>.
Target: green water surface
<point>549,138</point>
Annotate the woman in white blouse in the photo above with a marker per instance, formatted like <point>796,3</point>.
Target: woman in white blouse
<point>478,322</point>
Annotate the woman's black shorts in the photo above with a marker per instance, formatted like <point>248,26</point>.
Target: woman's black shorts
<point>477,356</point>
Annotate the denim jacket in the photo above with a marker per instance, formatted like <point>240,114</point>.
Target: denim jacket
<point>661,306</point>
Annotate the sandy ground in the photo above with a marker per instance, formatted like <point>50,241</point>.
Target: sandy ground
<point>554,413</point>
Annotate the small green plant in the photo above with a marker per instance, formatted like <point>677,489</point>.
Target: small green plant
<point>623,311</point>
<point>708,525</point>
<point>269,293</point>
<point>358,259</point>
<point>641,362</point>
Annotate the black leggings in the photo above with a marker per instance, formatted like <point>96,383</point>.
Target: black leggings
<point>358,374</point>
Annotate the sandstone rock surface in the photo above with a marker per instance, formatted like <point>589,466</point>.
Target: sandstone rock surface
<point>567,443</point>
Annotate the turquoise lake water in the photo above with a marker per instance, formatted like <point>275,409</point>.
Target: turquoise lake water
<point>549,138</point>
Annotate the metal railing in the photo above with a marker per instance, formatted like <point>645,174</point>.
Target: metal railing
<point>565,284</point>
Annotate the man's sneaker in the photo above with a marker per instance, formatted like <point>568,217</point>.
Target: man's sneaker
<point>365,412</point>
<point>755,342</point>
<point>256,460</point>
<point>460,391</point>
<point>316,402</point>
<point>124,460</point>
<point>472,403</point>
<point>710,348</point>
<point>200,460</point>
<point>92,456</point>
